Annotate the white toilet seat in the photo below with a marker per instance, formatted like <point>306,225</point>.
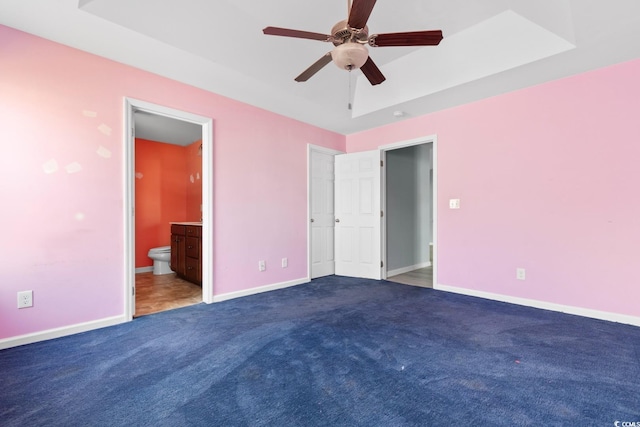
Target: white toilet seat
<point>160,250</point>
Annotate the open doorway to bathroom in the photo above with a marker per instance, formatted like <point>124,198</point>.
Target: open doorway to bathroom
<point>168,188</point>
<point>168,181</point>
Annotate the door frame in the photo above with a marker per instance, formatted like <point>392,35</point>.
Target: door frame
<point>206,123</point>
<point>332,152</point>
<point>432,139</point>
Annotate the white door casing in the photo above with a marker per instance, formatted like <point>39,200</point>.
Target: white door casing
<point>321,209</point>
<point>130,105</point>
<point>358,215</point>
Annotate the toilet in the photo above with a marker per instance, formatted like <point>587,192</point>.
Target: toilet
<point>161,257</point>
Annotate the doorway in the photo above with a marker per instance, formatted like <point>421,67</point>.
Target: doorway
<point>133,107</point>
<point>426,269</point>
<point>410,212</point>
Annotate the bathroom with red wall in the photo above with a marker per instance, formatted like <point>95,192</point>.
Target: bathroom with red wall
<point>168,189</point>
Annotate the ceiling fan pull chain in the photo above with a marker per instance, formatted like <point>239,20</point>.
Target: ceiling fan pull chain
<point>349,90</point>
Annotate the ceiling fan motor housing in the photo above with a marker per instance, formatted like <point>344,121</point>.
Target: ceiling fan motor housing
<point>343,33</point>
<point>350,52</point>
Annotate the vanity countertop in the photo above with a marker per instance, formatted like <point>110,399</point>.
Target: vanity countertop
<point>199,224</point>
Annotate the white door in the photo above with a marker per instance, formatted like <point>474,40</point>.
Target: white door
<point>322,214</point>
<point>358,215</point>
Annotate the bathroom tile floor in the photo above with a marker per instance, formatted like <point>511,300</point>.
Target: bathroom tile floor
<point>164,292</point>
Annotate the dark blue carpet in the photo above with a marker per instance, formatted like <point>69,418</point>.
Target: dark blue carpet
<point>334,352</point>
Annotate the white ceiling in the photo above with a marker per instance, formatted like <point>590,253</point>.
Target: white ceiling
<point>489,47</point>
<point>154,127</point>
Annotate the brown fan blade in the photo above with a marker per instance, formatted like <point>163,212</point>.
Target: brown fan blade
<point>285,32</point>
<point>413,38</point>
<point>372,72</point>
<point>317,66</point>
<point>360,12</point>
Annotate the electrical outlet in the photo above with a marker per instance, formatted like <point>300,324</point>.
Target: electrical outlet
<point>520,273</point>
<point>454,203</point>
<point>262,265</point>
<point>25,299</point>
<point>285,262</point>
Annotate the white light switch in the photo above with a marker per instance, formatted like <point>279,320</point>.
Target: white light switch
<point>454,203</point>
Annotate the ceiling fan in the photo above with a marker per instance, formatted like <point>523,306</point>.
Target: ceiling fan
<point>350,37</point>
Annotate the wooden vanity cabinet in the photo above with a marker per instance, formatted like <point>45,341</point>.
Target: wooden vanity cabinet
<point>186,252</point>
<point>178,255</point>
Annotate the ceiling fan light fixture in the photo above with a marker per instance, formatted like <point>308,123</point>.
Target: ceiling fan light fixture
<point>350,37</point>
<point>350,55</point>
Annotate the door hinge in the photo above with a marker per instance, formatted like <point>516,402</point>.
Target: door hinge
<point>381,214</point>
<point>381,264</point>
<point>133,291</point>
<point>381,163</point>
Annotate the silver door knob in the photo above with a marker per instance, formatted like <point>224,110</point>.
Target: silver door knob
<point>337,219</point>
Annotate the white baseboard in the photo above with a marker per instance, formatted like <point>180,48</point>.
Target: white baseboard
<point>60,332</point>
<point>259,290</point>
<point>403,270</point>
<point>578,311</point>
<point>144,269</point>
<point>111,321</point>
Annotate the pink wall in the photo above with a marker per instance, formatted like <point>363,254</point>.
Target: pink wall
<point>548,179</point>
<point>61,113</point>
<point>547,176</point>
